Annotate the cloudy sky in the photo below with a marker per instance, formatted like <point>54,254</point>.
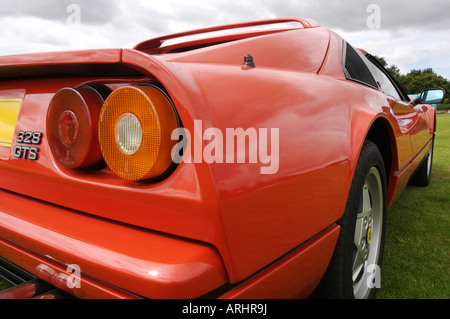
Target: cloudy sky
<point>412,34</point>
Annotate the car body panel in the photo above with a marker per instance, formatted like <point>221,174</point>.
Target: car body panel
<point>293,276</point>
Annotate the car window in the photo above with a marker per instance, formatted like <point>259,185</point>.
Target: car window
<point>383,81</point>
<point>400,91</point>
<point>365,69</point>
<point>355,68</point>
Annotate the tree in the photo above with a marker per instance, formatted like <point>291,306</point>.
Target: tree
<point>394,71</point>
<point>419,80</point>
<point>416,80</point>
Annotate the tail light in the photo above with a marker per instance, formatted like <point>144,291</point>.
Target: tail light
<point>135,127</point>
<point>72,121</point>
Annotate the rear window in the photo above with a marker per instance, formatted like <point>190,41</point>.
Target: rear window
<point>355,69</point>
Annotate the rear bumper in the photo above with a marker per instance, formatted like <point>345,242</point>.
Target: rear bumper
<point>90,257</point>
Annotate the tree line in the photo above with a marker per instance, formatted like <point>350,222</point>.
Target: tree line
<point>416,81</point>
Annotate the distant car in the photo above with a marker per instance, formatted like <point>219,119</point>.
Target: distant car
<point>253,164</point>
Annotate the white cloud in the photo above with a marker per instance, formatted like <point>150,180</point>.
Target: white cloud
<point>406,48</point>
<point>403,55</point>
<point>412,34</point>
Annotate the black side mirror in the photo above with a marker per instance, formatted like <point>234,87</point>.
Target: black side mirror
<point>430,96</point>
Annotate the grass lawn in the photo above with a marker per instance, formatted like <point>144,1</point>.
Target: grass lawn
<point>417,254</point>
<point>3,285</point>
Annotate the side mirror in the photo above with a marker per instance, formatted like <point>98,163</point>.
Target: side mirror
<point>432,96</point>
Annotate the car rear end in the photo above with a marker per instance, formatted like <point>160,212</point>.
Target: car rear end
<point>75,209</point>
<point>92,203</point>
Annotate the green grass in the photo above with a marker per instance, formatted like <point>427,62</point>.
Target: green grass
<point>416,260</point>
<point>3,285</point>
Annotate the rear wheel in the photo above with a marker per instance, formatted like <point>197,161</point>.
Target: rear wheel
<point>423,175</point>
<point>354,271</point>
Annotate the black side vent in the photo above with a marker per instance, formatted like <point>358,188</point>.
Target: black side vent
<point>355,68</point>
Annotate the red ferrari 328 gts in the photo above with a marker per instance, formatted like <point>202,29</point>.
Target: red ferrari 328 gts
<point>256,163</point>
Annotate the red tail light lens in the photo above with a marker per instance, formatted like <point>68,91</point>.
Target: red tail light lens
<point>68,128</point>
<point>72,121</point>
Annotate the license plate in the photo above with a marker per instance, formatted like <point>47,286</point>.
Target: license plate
<point>9,112</point>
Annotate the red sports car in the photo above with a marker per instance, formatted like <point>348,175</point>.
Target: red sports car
<point>253,160</point>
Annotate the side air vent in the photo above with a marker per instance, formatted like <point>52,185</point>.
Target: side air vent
<point>355,69</point>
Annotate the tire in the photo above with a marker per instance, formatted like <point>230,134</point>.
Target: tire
<point>354,270</point>
<point>423,175</point>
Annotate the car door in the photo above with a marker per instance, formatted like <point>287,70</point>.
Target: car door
<point>411,119</point>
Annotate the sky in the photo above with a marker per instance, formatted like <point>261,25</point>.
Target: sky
<point>412,34</point>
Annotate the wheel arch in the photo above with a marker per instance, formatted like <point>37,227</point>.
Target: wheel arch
<point>382,134</point>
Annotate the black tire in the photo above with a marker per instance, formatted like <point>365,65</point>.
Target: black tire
<point>423,175</point>
<point>354,270</point>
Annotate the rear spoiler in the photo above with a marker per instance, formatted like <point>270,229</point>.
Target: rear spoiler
<point>154,45</point>
<point>109,61</point>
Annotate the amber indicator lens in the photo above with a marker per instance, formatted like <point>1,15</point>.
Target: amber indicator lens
<point>72,125</point>
<point>135,129</point>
